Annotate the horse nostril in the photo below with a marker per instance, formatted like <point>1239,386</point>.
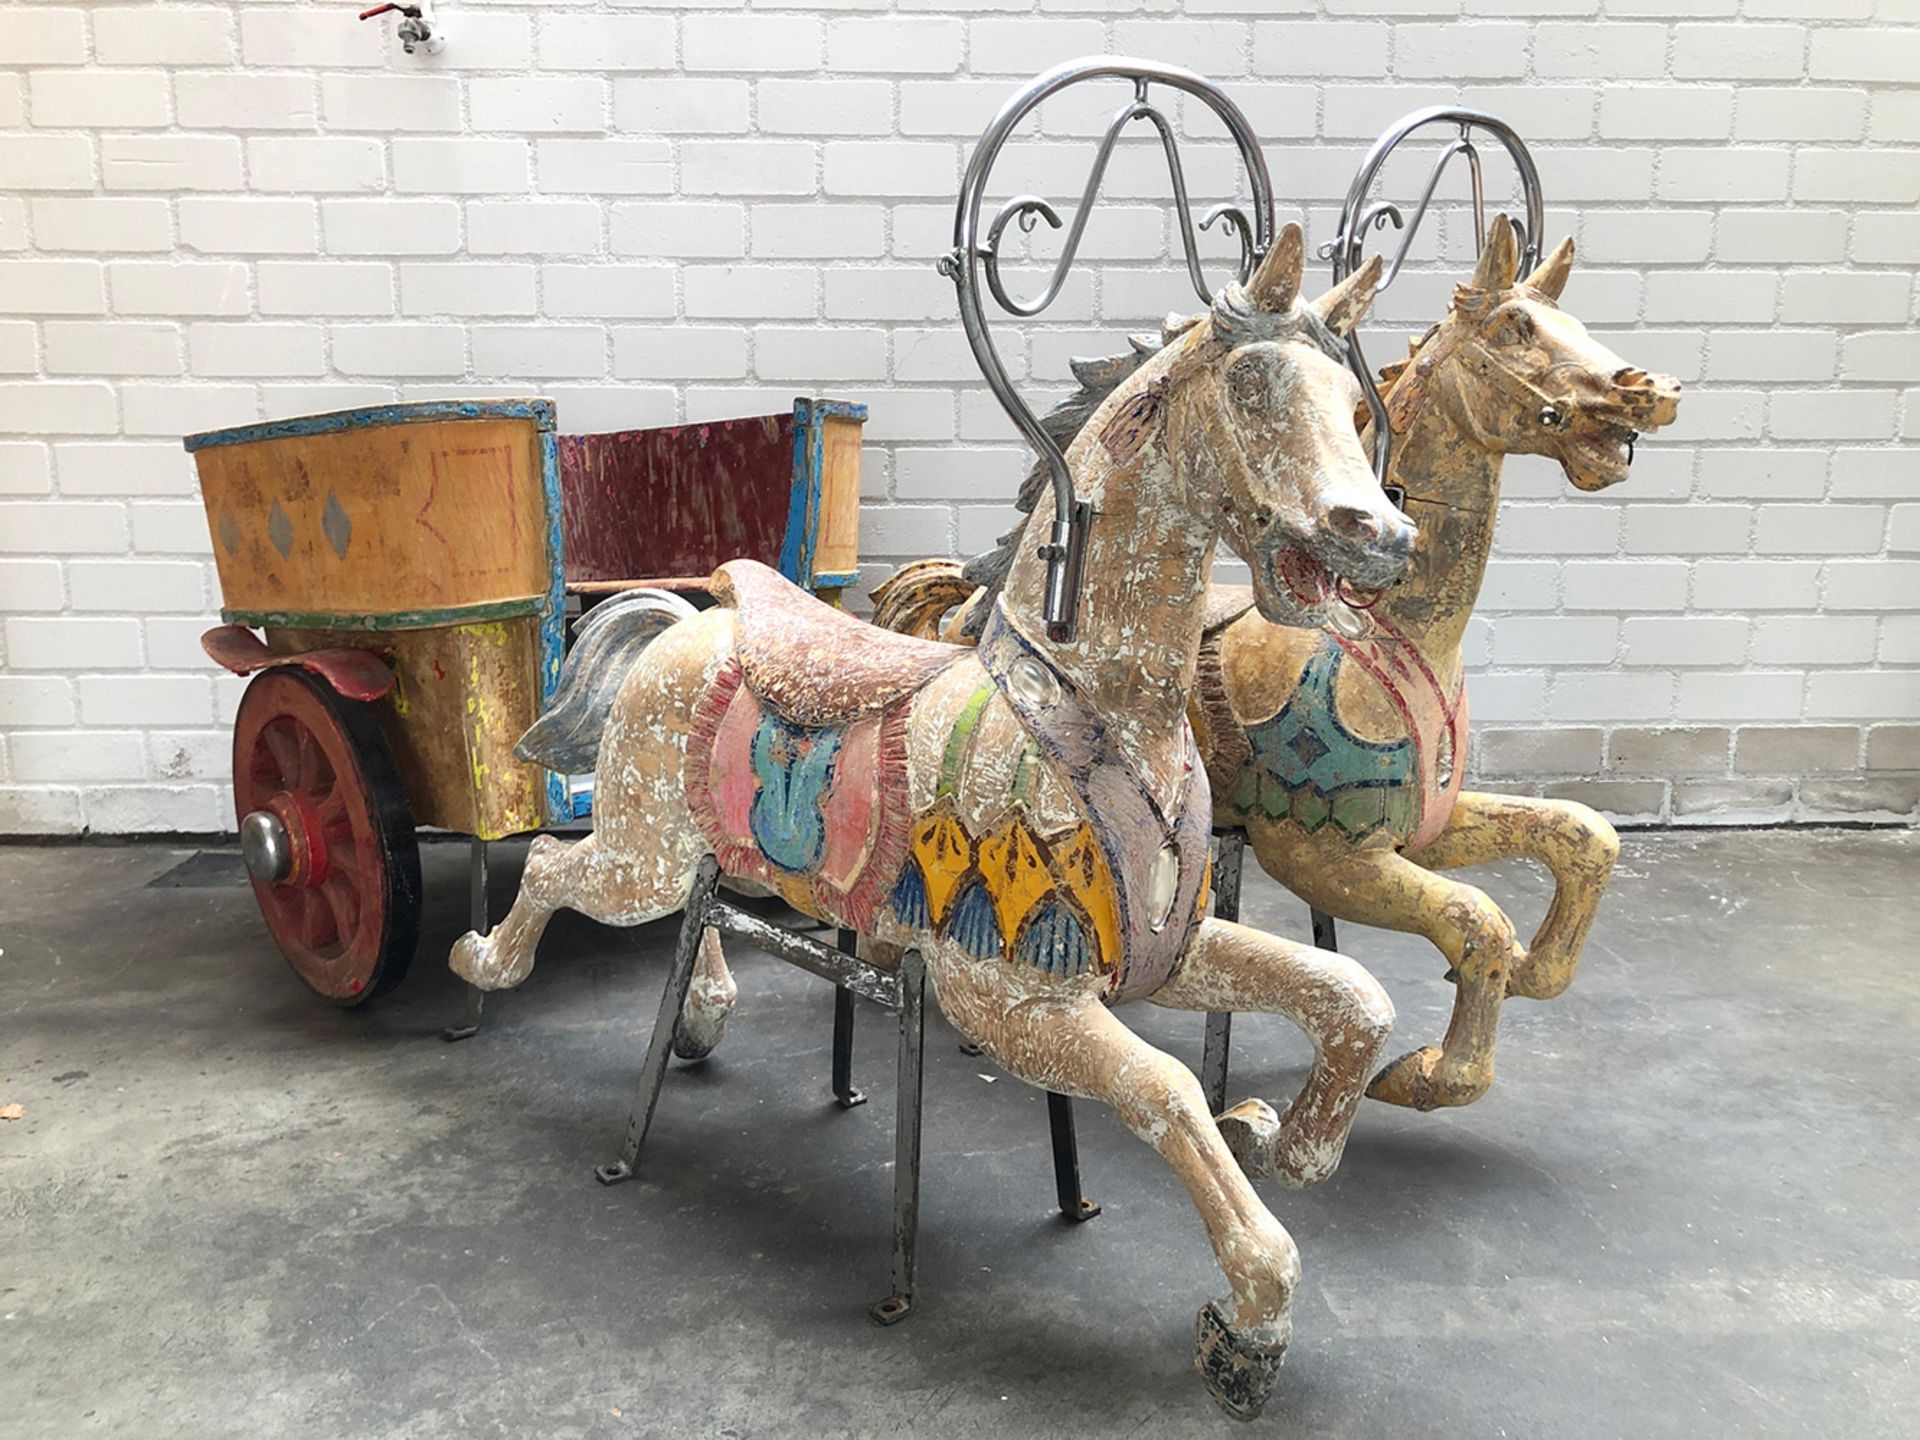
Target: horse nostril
<point>1350,522</point>
<point>1629,378</point>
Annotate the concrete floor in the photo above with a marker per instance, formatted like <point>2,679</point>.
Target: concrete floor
<point>1688,1206</point>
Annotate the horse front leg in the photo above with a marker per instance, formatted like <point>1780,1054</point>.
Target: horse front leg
<point>1578,848</point>
<point>1336,1003</point>
<point>1378,886</point>
<point>1059,1036</point>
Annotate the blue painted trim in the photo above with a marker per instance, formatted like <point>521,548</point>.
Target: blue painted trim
<point>803,503</point>
<point>583,805</point>
<point>553,618</point>
<point>809,479</point>
<point>822,580</point>
<point>417,412</point>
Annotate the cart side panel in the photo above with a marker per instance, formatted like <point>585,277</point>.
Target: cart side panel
<point>392,520</point>
<point>463,695</point>
<point>836,545</point>
<point>675,502</point>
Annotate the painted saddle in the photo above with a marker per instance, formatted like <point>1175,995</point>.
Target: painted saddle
<point>1017,839</point>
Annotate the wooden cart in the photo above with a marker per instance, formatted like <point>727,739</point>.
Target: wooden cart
<point>410,567</point>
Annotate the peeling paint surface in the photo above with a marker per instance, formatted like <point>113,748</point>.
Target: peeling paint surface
<point>1098,727</point>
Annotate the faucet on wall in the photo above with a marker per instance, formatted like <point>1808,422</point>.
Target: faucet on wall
<point>419,28</point>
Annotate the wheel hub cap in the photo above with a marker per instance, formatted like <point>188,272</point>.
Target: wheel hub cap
<point>265,847</point>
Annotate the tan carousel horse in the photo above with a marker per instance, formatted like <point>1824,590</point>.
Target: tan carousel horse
<point>1031,815</point>
<point>1341,754</point>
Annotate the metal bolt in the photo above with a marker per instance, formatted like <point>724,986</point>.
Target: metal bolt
<point>265,848</point>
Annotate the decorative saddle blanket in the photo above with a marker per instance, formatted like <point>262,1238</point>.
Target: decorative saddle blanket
<point>1306,765</point>
<point>817,812</point>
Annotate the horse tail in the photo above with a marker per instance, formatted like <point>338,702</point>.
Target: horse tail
<point>919,596</point>
<point>605,646</point>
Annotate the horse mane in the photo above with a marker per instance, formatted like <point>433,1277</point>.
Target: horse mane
<point>1097,379</point>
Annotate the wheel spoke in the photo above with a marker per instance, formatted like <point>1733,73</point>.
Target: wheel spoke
<point>311,761</point>
<point>321,927</point>
<point>283,747</point>
<point>344,903</point>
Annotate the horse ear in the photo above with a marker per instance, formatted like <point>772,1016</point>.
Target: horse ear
<point>1500,261</point>
<point>1549,277</point>
<point>1276,283</point>
<point>1342,306</point>
<point>1176,325</point>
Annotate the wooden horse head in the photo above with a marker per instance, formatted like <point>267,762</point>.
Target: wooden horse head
<point>1265,393</point>
<point>1521,376</point>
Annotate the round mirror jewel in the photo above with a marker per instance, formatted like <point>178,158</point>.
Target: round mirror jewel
<point>1163,881</point>
<point>1344,620</point>
<point>1032,682</point>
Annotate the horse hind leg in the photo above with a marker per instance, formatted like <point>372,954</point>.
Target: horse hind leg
<point>585,876</point>
<point>710,1000</point>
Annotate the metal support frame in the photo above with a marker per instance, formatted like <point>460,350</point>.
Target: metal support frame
<point>1359,215</point>
<point>1227,871</point>
<point>469,1025</point>
<point>974,262</point>
<point>1226,906</point>
<point>843,1091</point>
<point>1074,1206</point>
<point>902,991</point>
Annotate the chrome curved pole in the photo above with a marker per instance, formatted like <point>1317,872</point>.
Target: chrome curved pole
<point>976,257</point>
<point>1358,216</point>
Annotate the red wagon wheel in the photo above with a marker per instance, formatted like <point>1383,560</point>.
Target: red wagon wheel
<point>326,834</point>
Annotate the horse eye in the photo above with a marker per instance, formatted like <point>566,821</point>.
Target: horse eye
<point>1247,385</point>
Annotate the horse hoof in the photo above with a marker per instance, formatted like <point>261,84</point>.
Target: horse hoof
<point>704,1020</point>
<point>1408,1081</point>
<point>1420,1082</point>
<point>468,957</point>
<point>1239,1374</point>
<point>1252,1132</point>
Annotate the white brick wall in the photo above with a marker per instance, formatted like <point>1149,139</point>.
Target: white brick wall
<point>212,212</point>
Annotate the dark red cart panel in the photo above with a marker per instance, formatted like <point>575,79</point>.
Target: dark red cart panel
<point>673,503</point>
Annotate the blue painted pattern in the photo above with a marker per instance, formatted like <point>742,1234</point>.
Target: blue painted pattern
<point>1056,941</point>
<point>1306,765</point>
<point>910,897</point>
<point>973,925</point>
<point>795,768</point>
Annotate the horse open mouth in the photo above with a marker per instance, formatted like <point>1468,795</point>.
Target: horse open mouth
<point>1599,458</point>
<point>1302,579</point>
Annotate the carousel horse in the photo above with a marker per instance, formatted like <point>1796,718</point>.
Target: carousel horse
<point>1030,815</point>
<point>1339,754</point>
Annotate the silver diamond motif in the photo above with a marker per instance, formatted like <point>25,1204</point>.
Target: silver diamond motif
<point>335,525</point>
<point>229,532</point>
<point>280,530</point>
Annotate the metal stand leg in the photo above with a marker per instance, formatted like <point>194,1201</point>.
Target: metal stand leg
<point>672,1001</point>
<point>1323,933</point>
<point>469,1025</point>
<point>843,1092</point>
<point>1066,1160</point>
<point>906,1142</point>
<point>1226,906</point>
